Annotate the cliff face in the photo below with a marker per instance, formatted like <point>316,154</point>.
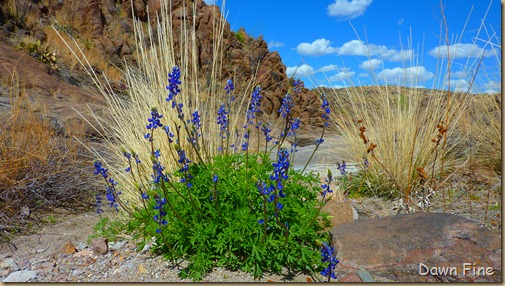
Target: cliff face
<point>104,28</point>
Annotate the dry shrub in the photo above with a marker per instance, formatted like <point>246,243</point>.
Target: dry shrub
<point>38,170</point>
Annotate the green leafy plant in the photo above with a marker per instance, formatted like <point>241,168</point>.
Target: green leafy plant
<point>238,210</point>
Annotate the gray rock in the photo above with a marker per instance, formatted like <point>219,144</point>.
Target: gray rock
<point>118,245</point>
<point>20,276</point>
<point>8,263</point>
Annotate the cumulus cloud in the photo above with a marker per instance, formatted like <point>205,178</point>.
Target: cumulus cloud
<point>317,48</point>
<point>322,46</point>
<point>342,76</point>
<point>460,51</point>
<point>328,68</point>
<point>302,70</point>
<point>460,85</point>
<point>370,64</point>
<point>409,76</point>
<point>275,44</point>
<point>492,87</point>
<point>345,9</point>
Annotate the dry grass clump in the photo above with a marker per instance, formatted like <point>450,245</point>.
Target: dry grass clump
<point>485,130</point>
<point>398,132</point>
<point>38,170</point>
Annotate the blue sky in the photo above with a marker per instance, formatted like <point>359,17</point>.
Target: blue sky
<point>343,43</point>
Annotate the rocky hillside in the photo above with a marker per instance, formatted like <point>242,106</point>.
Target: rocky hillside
<point>104,30</point>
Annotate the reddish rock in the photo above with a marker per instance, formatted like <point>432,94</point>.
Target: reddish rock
<point>393,247</point>
<point>68,248</point>
<point>100,245</point>
<point>340,212</point>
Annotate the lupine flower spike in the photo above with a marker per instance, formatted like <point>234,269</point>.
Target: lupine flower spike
<point>328,255</point>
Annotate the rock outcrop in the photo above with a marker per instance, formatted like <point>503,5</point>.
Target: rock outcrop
<point>105,28</point>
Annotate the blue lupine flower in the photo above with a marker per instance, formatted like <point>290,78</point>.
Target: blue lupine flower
<point>229,88</point>
<point>99,169</point>
<point>215,178</point>
<point>262,188</point>
<point>137,160</point>
<point>366,163</point>
<point>158,173</point>
<point>154,120</point>
<point>156,153</point>
<point>261,221</point>
<point>245,145</point>
<point>328,255</point>
<point>161,213</point>
<point>342,167</point>
<point>196,119</point>
<point>255,106</point>
<point>326,187</point>
<point>127,155</point>
<point>173,83</point>
<point>222,120</point>
<point>297,86</point>
<point>99,209</point>
<point>279,206</point>
<point>287,104</point>
<point>319,141</point>
<point>326,110</point>
<point>183,160</point>
<point>266,132</point>
<point>281,166</point>
<point>145,196</point>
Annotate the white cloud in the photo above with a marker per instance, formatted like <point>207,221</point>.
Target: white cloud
<point>317,48</point>
<point>275,44</point>
<point>370,64</point>
<point>460,85</point>
<point>492,87</point>
<point>460,51</point>
<point>302,70</point>
<point>322,46</point>
<point>345,10</point>
<point>408,76</point>
<point>328,68</point>
<point>400,22</point>
<point>398,56</point>
<point>333,86</point>
<point>342,76</point>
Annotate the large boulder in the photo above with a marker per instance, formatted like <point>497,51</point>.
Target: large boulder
<point>419,247</point>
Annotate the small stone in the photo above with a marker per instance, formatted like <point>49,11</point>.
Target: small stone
<point>100,245</point>
<point>8,263</point>
<point>81,246</point>
<point>118,245</point>
<point>85,252</point>
<point>20,276</point>
<point>68,248</point>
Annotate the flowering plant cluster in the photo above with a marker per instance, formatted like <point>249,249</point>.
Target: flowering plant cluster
<point>238,210</point>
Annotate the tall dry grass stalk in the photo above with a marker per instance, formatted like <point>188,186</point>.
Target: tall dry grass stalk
<point>127,114</point>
